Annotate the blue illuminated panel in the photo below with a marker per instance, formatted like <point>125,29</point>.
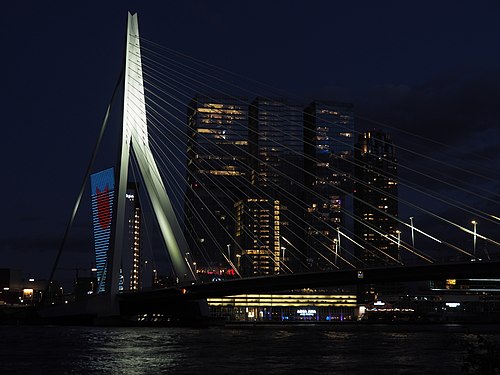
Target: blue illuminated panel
<point>102,194</point>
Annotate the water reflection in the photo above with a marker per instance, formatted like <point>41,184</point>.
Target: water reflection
<point>275,349</point>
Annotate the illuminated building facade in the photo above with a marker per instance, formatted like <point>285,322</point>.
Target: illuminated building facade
<point>291,306</point>
<point>102,197</point>
<point>16,291</point>
<point>329,150</point>
<point>134,236</point>
<point>376,205</point>
<point>258,237</point>
<point>217,176</point>
<point>277,146</point>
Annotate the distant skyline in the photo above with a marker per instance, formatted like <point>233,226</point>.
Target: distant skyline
<point>427,68</point>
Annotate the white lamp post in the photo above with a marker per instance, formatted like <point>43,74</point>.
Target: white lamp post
<point>474,223</point>
<point>412,232</point>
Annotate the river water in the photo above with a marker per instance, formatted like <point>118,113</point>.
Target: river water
<point>261,349</point>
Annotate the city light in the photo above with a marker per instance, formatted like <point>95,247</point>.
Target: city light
<point>412,233</point>
<point>474,223</point>
<point>316,207</point>
<point>398,232</point>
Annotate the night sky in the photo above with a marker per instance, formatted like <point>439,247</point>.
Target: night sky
<point>430,68</point>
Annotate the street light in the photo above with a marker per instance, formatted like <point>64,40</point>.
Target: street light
<point>412,232</point>
<point>398,232</point>
<point>474,223</point>
<point>283,248</point>
<point>229,251</point>
<point>337,250</point>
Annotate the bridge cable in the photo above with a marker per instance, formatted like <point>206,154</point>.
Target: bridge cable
<point>404,223</point>
<point>229,213</point>
<point>365,224</point>
<point>455,225</point>
<point>84,182</point>
<point>357,132</point>
<point>217,68</point>
<point>321,197</point>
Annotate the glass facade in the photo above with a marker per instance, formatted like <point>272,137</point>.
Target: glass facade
<point>217,176</point>
<point>291,306</point>
<point>329,150</point>
<point>269,151</point>
<point>276,142</point>
<point>376,206</point>
<point>258,236</point>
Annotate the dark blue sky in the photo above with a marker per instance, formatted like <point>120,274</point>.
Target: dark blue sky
<point>431,68</point>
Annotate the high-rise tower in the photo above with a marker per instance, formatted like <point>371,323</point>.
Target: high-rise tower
<point>258,236</point>
<point>376,205</point>
<point>276,143</point>
<point>102,185</point>
<point>217,176</point>
<point>329,153</point>
<point>102,197</point>
<point>134,236</point>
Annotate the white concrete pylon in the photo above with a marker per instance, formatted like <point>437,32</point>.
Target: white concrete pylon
<point>135,138</point>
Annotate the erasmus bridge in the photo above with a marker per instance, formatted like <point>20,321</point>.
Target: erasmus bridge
<point>347,258</point>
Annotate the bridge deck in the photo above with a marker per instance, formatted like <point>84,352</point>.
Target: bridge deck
<point>310,280</point>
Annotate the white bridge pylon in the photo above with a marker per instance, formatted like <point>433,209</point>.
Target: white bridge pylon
<point>135,138</point>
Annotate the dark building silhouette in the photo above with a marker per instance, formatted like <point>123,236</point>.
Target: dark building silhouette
<point>376,192</point>
<point>254,164</point>
<point>329,153</point>
<point>277,169</point>
<point>376,206</point>
<point>217,152</point>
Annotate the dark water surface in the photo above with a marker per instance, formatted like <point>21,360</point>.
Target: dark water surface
<point>273,349</point>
